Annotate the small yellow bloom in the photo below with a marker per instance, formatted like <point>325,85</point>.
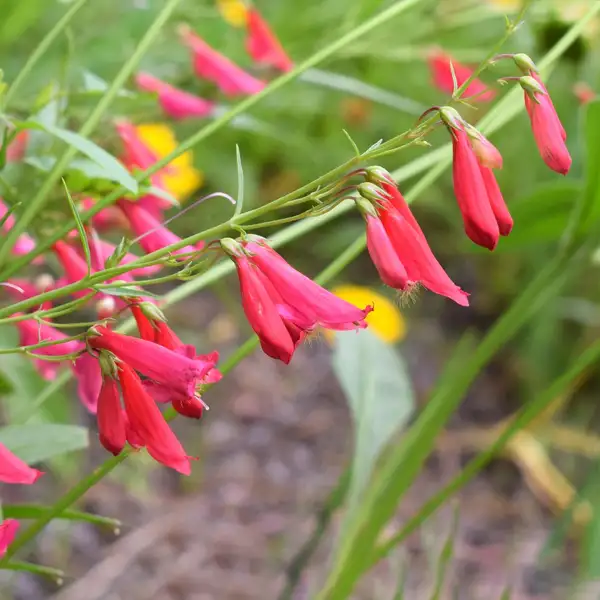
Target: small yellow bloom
<point>182,178</point>
<point>506,5</point>
<point>385,320</point>
<point>235,12</point>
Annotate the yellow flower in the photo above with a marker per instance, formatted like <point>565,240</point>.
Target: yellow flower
<point>506,5</point>
<point>385,321</point>
<point>234,12</point>
<point>183,178</point>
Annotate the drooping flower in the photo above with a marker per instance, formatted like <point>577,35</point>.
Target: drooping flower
<point>73,264</point>
<point>8,531</point>
<point>441,71</point>
<point>549,134</point>
<point>112,418</point>
<point>283,305</point>
<point>149,425</point>
<point>152,234</point>
<point>89,380</point>
<point>213,66</point>
<point>175,102</point>
<point>31,332</point>
<point>481,204</point>
<point>164,366</point>
<point>262,44</point>
<point>14,470</point>
<point>396,243</point>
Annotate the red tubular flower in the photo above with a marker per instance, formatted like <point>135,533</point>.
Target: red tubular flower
<point>549,134</point>
<point>8,531</point>
<point>73,264</point>
<point>175,102</point>
<point>153,235</point>
<point>14,470</point>
<point>210,64</point>
<point>481,204</point>
<point>262,44</point>
<point>397,245</point>
<point>89,381</point>
<point>31,332</point>
<point>281,304</point>
<point>162,365</point>
<point>112,419</point>
<point>24,244</point>
<point>148,423</point>
<point>439,64</point>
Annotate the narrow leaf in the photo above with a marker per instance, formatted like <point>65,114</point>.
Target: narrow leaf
<point>55,574</point>
<point>81,229</point>
<point>125,290</point>
<point>35,511</point>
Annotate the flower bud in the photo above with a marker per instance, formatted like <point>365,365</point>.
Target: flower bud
<point>451,117</point>
<point>105,307</point>
<point>231,247</point>
<point>107,362</point>
<point>531,86</point>
<point>525,63</point>
<point>152,312</point>
<point>365,207</point>
<point>378,175</point>
<point>487,154</point>
<point>371,192</point>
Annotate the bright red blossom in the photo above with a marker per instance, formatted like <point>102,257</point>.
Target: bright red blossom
<point>8,531</point>
<point>439,64</point>
<point>175,102</point>
<point>14,470</point>
<point>282,304</point>
<point>262,44</point>
<point>210,64</point>
<point>112,419</point>
<point>550,136</point>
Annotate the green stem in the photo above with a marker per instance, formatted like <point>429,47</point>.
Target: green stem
<point>55,574</point>
<point>383,17</point>
<point>40,50</point>
<point>35,205</point>
<point>40,345</point>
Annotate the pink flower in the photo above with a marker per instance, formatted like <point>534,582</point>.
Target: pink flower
<point>8,531</point>
<point>24,244</point>
<point>89,380</point>
<point>397,244</point>
<point>262,44</point>
<point>73,264</point>
<point>282,304</point>
<point>175,102</point>
<point>108,218</point>
<point>31,332</point>
<point>153,235</point>
<point>112,419</point>
<point>14,470</point>
<point>549,134</point>
<point>439,64</point>
<point>213,66</point>
<point>148,423</point>
<point>160,364</point>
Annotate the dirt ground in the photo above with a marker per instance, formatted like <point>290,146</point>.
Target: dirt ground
<point>272,447</point>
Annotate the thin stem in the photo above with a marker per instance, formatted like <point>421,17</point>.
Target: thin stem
<point>383,17</point>
<point>45,344</point>
<point>40,50</point>
<point>55,574</point>
<point>33,207</point>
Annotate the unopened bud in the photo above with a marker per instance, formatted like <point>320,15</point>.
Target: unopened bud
<point>451,117</point>
<point>152,312</point>
<point>365,207</point>
<point>44,282</point>
<point>231,247</point>
<point>524,63</point>
<point>371,192</point>
<point>105,307</point>
<point>107,363</point>
<point>378,175</point>
<point>532,87</point>
<point>487,154</point>
<point>118,255</point>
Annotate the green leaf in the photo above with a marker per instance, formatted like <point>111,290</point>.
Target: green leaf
<point>39,442</point>
<point>81,229</point>
<point>377,386</point>
<point>35,511</point>
<point>112,168</point>
<point>125,290</point>
<point>591,135</point>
